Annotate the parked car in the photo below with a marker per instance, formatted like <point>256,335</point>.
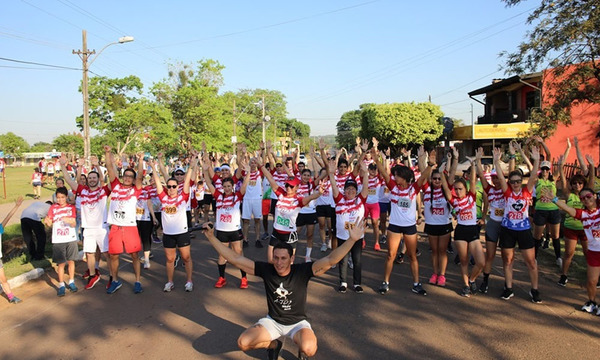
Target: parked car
<point>302,159</point>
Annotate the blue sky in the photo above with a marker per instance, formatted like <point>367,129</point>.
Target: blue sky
<point>327,57</point>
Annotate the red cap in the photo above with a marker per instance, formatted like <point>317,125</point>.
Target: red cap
<point>292,182</point>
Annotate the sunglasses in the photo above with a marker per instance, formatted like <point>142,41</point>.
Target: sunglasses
<point>516,181</point>
<point>179,174</point>
<point>171,186</point>
<point>586,196</point>
<point>129,176</point>
<point>438,179</point>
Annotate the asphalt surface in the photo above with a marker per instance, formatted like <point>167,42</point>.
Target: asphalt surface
<point>206,323</point>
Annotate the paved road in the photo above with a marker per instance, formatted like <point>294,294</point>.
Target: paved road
<point>205,324</point>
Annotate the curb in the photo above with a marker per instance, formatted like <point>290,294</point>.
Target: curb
<point>23,278</point>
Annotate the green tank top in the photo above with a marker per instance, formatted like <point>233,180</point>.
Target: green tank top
<point>543,203</point>
<point>570,222</point>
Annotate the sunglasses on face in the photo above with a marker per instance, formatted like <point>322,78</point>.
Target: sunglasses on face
<point>436,179</point>
<point>179,174</point>
<point>586,196</point>
<point>129,176</point>
<point>171,186</point>
<point>516,181</point>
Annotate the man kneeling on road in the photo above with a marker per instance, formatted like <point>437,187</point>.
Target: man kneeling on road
<point>285,285</point>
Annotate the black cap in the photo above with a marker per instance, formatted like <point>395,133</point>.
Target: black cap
<point>351,182</point>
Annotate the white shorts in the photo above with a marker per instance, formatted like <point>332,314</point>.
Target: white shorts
<point>93,237</point>
<point>277,330</point>
<point>252,207</point>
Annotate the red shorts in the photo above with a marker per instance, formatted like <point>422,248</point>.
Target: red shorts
<point>266,206</point>
<point>593,258</point>
<point>124,236</point>
<point>577,235</point>
<point>373,210</point>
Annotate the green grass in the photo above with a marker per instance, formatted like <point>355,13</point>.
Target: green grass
<point>23,263</point>
<point>577,271</point>
<point>17,182</point>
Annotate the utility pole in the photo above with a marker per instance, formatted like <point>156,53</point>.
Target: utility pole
<point>84,54</point>
<point>234,137</point>
<point>263,118</point>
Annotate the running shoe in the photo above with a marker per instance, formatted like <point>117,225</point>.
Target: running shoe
<point>473,287</point>
<point>466,291</point>
<point>450,249</point>
<point>14,300</point>
<point>377,247</point>
<point>156,239</point>
<point>265,236</point>
<point>324,247</point>
<point>93,280</point>
<point>418,289</point>
<point>86,274</point>
<point>597,310</point>
<point>350,263</point>
<point>258,244</point>
<point>168,287</point>
<point>244,283</point>
<point>61,291</point>
<point>383,239</point>
<point>384,288</point>
<point>189,287</point>
<point>137,288</point>
<point>441,280</point>
<point>147,264</point>
<point>221,282</point>
<point>564,279</point>
<point>110,280</point>
<point>418,252</point>
<point>72,287</point>
<point>589,306</point>
<point>343,287</point>
<point>245,244</point>
<point>177,258</point>
<point>559,262</point>
<point>483,288</point>
<point>535,296</point>
<point>433,279</point>
<point>358,289</point>
<point>399,259</point>
<point>114,286</point>
<point>273,354</point>
<point>546,244</point>
<point>507,294</point>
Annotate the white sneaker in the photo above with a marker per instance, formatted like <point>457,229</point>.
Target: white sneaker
<point>147,264</point>
<point>189,286</point>
<point>559,262</point>
<point>324,247</point>
<point>168,287</point>
<point>589,307</point>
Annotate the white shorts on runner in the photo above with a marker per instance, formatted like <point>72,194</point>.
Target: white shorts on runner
<point>93,237</point>
<point>252,207</point>
<point>277,330</point>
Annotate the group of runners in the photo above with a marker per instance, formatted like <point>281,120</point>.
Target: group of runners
<point>337,191</point>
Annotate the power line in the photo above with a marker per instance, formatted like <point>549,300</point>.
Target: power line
<point>39,64</point>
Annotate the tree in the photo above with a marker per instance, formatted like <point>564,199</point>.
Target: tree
<point>401,124</point>
<point>565,40</point>
<point>41,146</point>
<point>348,128</point>
<point>13,144</point>
<point>69,143</point>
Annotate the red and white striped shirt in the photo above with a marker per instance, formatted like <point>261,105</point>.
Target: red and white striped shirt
<point>340,180</point>
<point>497,203</point>
<point>228,216</point>
<point>436,210</point>
<point>61,232</point>
<point>93,206</point>
<point>123,201</point>
<point>141,211</point>
<point>280,178</point>
<point>375,183</point>
<point>346,213</point>
<point>173,213</point>
<point>403,204</point>
<point>303,191</point>
<point>466,209</point>
<point>591,226</point>
<point>286,211</point>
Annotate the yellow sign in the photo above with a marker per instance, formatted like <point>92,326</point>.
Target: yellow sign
<point>490,131</point>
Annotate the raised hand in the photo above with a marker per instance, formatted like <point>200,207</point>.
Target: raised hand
<point>375,142</point>
<point>561,160</point>
<point>365,145</point>
<point>63,160</point>
<point>511,147</point>
<point>94,160</point>
<point>80,162</point>
<point>321,144</point>
<point>107,148</point>
<point>455,153</point>
<point>568,143</point>
<point>479,154</point>
<point>535,153</point>
<point>497,154</point>
<point>589,159</point>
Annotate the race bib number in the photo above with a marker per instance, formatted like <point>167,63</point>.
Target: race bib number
<point>596,234</point>
<point>404,203</point>
<point>466,216</point>
<point>499,212</point>
<point>252,183</point>
<point>226,218</point>
<point>386,190</point>
<point>119,215</point>
<point>62,231</point>
<point>139,211</point>
<point>348,225</point>
<point>170,210</point>
<point>437,211</point>
<point>515,216</point>
<point>283,221</point>
<point>372,192</point>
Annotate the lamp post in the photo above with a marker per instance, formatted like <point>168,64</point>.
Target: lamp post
<point>84,54</point>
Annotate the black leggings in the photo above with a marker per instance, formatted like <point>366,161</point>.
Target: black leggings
<point>145,231</point>
<point>356,252</point>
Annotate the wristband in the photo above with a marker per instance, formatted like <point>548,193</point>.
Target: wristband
<point>512,156</point>
<point>555,200</point>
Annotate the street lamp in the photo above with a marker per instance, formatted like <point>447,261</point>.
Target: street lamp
<point>84,54</point>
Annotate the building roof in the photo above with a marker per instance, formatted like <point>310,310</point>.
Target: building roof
<point>505,83</point>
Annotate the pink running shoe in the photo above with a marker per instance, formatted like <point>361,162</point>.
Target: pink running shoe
<point>441,280</point>
<point>433,279</point>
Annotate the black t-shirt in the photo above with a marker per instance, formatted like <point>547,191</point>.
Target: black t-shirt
<point>286,295</point>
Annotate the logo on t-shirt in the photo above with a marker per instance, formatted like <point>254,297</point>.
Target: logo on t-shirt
<point>282,299</point>
<point>518,206</point>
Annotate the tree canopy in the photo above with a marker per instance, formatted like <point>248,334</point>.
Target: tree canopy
<point>348,128</point>
<point>12,144</point>
<point>565,33</point>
